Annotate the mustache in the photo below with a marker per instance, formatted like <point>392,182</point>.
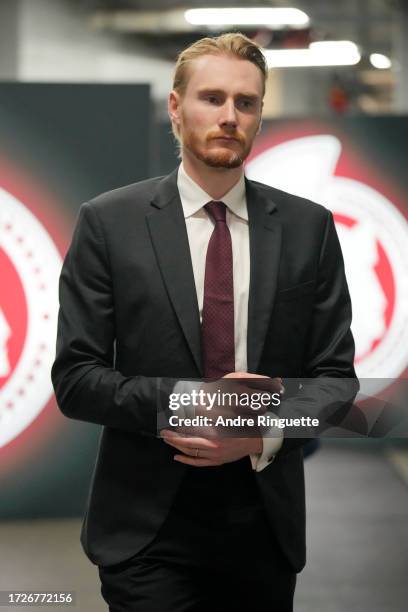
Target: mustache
<point>236,135</point>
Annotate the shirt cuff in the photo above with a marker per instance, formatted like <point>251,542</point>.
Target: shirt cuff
<point>272,442</point>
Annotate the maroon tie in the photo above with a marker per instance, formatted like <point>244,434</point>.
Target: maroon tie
<point>218,307</point>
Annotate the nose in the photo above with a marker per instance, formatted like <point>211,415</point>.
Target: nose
<point>228,115</point>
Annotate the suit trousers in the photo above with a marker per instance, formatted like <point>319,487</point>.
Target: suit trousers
<point>211,554</point>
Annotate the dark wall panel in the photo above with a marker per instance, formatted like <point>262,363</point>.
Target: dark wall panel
<point>60,144</point>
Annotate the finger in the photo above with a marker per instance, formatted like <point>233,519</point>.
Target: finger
<point>188,450</point>
<point>244,375</point>
<point>171,436</point>
<point>200,443</point>
<point>192,452</point>
<point>196,461</point>
<point>166,433</point>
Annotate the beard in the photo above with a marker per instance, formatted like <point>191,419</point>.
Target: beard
<point>220,159</point>
<point>217,157</point>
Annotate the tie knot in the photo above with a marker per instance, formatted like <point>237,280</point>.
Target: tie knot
<point>217,210</point>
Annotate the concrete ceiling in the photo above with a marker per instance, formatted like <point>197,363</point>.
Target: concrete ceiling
<point>369,23</point>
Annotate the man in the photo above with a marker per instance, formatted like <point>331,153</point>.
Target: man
<point>198,274</point>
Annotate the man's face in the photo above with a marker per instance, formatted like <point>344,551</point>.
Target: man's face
<point>219,114</point>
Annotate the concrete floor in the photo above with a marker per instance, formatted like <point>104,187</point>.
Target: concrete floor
<point>357,509</point>
<point>357,542</point>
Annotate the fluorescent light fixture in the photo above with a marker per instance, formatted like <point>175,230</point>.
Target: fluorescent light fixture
<point>277,17</point>
<point>380,61</point>
<point>324,53</point>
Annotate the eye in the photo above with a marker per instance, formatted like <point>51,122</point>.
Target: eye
<point>246,103</point>
<point>212,99</point>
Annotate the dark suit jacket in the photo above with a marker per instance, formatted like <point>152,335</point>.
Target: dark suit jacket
<point>129,318</point>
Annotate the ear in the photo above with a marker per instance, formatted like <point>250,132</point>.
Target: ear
<point>173,107</point>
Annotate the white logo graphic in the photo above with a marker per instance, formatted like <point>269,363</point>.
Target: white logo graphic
<point>27,250</point>
<point>374,239</point>
<point>4,336</point>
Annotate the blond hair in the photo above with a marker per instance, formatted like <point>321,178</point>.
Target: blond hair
<point>233,43</point>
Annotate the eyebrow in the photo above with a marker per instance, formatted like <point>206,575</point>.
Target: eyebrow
<point>250,96</point>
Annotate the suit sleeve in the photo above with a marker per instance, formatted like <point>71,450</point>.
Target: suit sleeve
<point>330,345</point>
<point>330,384</point>
<point>87,385</point>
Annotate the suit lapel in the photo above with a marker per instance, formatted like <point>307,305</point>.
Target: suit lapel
<point>170,242</point>
<point>264,243</point>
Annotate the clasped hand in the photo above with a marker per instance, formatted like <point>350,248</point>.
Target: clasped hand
<point>199,447</point>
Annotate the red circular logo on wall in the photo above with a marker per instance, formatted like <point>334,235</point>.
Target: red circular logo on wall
<point>30,265</point>
<point>373,234</point>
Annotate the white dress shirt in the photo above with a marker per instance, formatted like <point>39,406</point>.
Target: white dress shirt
<point>199,229</point>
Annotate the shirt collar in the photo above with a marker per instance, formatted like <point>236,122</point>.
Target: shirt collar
<point>193,197</point>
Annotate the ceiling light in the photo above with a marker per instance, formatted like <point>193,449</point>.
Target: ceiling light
<point>324,53</point>
<point>380,61</point>
<point>276,17</point>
